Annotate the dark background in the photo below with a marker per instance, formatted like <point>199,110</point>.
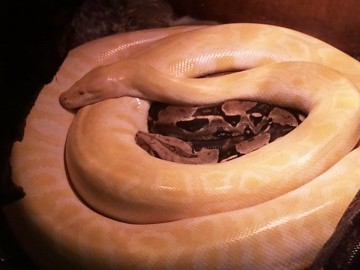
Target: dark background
<point>30,33</point>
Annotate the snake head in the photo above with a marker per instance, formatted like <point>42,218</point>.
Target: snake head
<point>77,97</point>
<point>97,85</point>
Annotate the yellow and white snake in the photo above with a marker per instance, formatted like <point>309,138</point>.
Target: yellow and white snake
<point>107,204</point>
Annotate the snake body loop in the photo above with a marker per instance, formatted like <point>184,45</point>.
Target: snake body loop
<point>273,208</point>
<point>216,133</point>
<point>323,100</point>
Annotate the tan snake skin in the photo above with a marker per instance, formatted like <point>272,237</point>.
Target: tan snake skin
<point>271,209</point>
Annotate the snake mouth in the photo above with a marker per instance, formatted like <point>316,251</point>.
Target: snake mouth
<point>214,133</point>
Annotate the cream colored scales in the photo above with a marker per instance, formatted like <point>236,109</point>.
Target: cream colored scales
<point>273,208</point>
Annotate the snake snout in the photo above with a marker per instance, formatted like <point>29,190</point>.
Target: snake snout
<point>75,98</point>
<point>67,101</point>
<point>64,101</point>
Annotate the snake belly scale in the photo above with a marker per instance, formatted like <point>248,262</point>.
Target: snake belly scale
<point>259,211</point>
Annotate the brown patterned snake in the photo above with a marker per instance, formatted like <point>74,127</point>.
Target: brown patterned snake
<point>271,209</point>
<point>214,133</point>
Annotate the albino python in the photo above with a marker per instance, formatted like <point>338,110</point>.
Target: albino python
<point>110,205</point>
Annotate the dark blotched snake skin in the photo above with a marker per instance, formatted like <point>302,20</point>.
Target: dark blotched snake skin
<point>214,133</point>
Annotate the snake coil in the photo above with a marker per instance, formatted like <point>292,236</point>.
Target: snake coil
<point>110,205</point>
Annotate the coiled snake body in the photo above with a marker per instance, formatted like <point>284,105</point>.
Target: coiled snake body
<point>216,133</point>
<point>123,209</point>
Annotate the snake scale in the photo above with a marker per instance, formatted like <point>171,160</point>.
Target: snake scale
<point>108,204</point>
<point>215,133</point>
